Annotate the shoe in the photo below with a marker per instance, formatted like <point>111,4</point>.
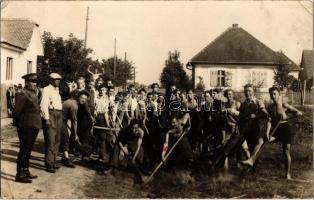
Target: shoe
<point>55,166</point>
<point>248,162</point>
<point>68,163</point>
<point>109,171</point>
<point>50,170</point>
<point>22,178</point>
<point>272,139</point>
<point>29,175</point>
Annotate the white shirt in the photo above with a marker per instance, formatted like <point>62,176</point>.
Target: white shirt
<point>102,103</point>
<point>51,99</point>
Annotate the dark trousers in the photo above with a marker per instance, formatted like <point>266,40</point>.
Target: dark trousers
<point>65,136</point>
<point>27,138</point>
<point>101,136</point>
<point>182,155</point>
<point>52,136</point>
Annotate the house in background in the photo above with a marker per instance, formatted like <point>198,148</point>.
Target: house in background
<point>21,45</point>
<point>306,74</point>
<point>236,58</point>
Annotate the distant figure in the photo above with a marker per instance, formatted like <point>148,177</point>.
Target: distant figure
<point>27,118</point>
<point>10,100</point>
<point>19,88</point>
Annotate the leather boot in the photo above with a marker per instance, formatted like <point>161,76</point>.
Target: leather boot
<point>22,178</point>
<point>29,175</point>
<point>20,175</point>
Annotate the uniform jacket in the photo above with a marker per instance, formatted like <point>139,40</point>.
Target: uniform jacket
<point>27,110</point>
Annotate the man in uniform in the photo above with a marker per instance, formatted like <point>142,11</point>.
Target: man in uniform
<point>51,107</point>
<point>27,119</point>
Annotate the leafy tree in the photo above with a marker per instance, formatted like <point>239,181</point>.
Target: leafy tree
<point>123,70</point>
<point>173,72</point>
<point>71,59</point>
<point>282,77</point>
<point>65,56</point>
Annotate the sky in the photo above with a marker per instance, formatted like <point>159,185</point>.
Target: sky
<point>148,30</point>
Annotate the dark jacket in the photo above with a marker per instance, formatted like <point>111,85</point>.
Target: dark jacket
<point>27,111</point>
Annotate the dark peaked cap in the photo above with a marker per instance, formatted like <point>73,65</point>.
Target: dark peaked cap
<point>31,76</point>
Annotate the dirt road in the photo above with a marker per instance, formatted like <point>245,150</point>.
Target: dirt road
<point>66,183</point>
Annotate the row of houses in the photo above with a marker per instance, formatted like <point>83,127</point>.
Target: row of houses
<point>231,60</point>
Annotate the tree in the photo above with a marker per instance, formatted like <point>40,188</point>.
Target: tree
<point>123,70</point>
<point>173,72</point>
<point>200,86</point>
<point>67,57</point>
<point>282,77</point>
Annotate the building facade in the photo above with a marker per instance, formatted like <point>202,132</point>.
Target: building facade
<point>236,58</point>
<point>21,45</point>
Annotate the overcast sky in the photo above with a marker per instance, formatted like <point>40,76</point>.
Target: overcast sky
<point>147,30</point>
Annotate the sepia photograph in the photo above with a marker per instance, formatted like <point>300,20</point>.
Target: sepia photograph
<point>156,99</point>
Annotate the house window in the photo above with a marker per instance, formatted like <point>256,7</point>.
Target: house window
<point>9,68</point>
<point>29,66</point>
<point>217,78</point>
<point>259,79</point>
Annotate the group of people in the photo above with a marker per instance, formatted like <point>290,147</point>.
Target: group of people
<point>10,96</point>
<point>175,128</point>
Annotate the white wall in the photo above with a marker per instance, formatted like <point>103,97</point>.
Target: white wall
<point>241,74</point>
<point>20,59</point>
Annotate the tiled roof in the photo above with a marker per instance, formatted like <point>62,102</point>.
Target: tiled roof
<point>282,58</point>
<point>235,45</point>
<point>307,65</point>
<point>17,32</point>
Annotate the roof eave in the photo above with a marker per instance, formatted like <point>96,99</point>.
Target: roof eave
<point>232,63</point>
<point>192,64</point>
<point>12,46</point>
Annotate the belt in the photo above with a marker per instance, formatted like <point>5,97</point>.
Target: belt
<point>55,110</point>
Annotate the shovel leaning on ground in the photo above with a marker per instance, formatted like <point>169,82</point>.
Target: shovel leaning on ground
<point>166,157</point>
<point>271,134</point>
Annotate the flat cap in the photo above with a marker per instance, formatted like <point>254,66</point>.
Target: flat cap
<point>30,76</point>
<point>54,76</point>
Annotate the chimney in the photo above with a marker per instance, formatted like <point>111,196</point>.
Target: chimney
<point>234,25</point>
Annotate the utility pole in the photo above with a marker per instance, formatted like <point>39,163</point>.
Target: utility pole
<point>86,27</point>
<point>134,75</point>
<point>115,59</point>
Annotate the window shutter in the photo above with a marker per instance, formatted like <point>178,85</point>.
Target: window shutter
<point>212,78</point>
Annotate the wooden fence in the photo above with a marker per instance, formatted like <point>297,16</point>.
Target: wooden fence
<point>293,98</point>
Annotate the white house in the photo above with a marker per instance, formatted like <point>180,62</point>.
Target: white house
<point>236,58</point>
<point>21,45</point>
